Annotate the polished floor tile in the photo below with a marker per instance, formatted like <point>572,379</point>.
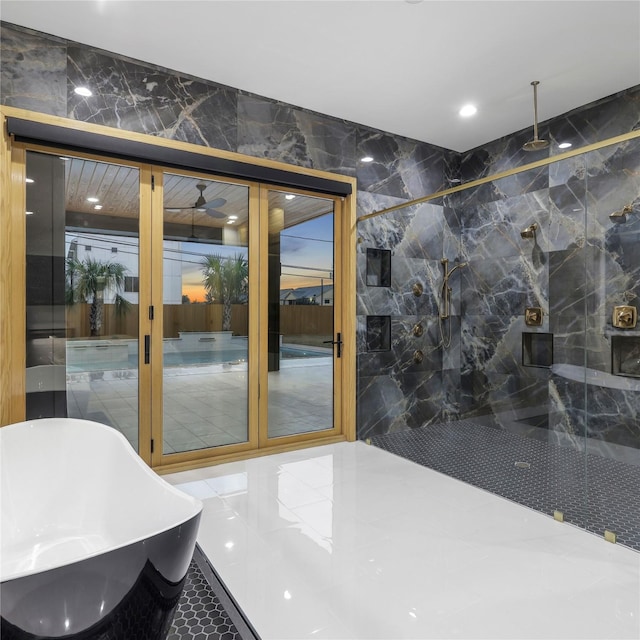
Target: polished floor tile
<point>349,541</point>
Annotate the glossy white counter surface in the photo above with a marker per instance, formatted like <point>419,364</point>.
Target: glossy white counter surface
<point>349,541</point>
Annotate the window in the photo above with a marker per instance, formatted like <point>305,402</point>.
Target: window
<point>114,249</point>
<point>131,284</point>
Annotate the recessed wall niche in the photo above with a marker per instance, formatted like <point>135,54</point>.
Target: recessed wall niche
<point>378,268</point>
<point>625,356</point>
<point>378,333</point>
<point>537,349</point>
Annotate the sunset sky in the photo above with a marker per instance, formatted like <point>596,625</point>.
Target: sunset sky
<point>306,257</point>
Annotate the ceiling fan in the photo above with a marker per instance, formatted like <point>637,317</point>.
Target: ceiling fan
<point>201,204</point>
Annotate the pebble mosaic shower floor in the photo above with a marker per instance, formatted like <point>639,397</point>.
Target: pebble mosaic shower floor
<point>593,492</point>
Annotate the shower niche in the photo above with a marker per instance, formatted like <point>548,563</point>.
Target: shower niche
<point>378,268</point>
<point>625,356</point>
<point>537,349</point>
<point>378,333</point>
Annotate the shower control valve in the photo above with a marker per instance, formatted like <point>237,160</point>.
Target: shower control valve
<point>624,317</point>
<point>533,317</point>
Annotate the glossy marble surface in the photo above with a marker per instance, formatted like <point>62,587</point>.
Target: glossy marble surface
<point>349,541</point>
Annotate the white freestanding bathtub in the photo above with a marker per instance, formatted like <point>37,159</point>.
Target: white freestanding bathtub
<point>94,544</point>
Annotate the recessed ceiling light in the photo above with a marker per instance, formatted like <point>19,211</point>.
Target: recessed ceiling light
<point>366,159</point>
<point>93,199</point>
<point>98,206</point>
<point>289,196</point>
<point>233,217</point>
<point>230,221</point>
<point>29,180</point>
<point>83,91</point>
<point>29,213</point>
<point>564,145</point>
<point>468,110</point>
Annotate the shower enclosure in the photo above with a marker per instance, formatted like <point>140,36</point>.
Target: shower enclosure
<point>537,396</point>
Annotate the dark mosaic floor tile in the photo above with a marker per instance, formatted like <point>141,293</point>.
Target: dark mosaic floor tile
<point>593,492</point>
<point>205,611</point>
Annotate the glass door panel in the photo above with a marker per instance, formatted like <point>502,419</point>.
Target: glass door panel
<point>300,314</point>
<point>82,273</point>
<point>205,313</point>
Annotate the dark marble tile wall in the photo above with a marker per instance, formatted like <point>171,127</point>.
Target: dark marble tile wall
<point>578,267</point>
<point>33,71</point>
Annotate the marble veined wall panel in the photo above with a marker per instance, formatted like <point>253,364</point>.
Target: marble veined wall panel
<point>381,405</point>
<point>492,229</point>
<point>33,71</point>
<point>270,129</point>
<point>605,118</point>
<point>137,97</point>
<point>401,167</point>
<point>502,286</point>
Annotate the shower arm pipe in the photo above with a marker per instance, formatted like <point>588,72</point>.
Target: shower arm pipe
<point>504,174</point>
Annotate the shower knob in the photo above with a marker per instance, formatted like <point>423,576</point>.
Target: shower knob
<point>624,317</point>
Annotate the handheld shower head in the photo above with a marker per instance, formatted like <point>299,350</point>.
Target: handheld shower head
<point>530,231</point>
<point>621,215</point>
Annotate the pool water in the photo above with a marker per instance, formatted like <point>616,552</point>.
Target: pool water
<point>193,358</point>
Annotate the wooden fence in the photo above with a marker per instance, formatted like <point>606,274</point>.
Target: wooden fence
<point>294,320</point>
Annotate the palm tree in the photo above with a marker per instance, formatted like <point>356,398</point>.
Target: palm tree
<point>86,282</point>
<point>226,281</point>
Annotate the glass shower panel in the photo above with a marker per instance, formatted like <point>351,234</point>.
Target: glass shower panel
<point>205,313</point>
<point>612,360</point>
<point>82,244</point>
<point>522,334</point>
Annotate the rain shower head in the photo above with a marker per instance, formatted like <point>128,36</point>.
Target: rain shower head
<point>536,144</point>
<point>530,231</point>
<point>621,215</point>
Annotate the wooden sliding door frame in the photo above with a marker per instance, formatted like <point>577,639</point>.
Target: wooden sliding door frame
<point>13,273</point>
<point>339,415</point>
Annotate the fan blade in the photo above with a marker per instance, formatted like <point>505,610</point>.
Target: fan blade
<point>213,204</point>
<point>216,214</point>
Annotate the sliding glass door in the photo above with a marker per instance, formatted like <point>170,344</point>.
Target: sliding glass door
<point>198,316</point>
<point>82,225</point>
<point>304,341</point>
<point>205,313</point>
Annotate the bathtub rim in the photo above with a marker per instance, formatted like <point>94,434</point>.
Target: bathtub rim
<point>195,504</point>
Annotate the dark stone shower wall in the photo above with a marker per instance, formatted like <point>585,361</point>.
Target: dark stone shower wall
<point>578,268</point>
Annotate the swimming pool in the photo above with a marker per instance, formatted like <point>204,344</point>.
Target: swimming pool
<point>193,358</point>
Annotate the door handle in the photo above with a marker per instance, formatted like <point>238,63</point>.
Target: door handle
<point>147,348</point>
<point>338,341</point>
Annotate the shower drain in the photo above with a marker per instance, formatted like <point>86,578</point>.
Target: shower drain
<point>523,465</point>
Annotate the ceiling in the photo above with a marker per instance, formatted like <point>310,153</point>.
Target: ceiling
<point>400,66</point>
<point>105,196</point>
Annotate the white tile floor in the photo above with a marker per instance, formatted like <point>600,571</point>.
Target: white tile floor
<point>349,541</point>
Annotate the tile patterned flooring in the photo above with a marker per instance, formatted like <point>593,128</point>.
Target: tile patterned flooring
<point>350,541</point>
<point>206,406</point>
<point>592,491</point>
<point>205,611</point>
